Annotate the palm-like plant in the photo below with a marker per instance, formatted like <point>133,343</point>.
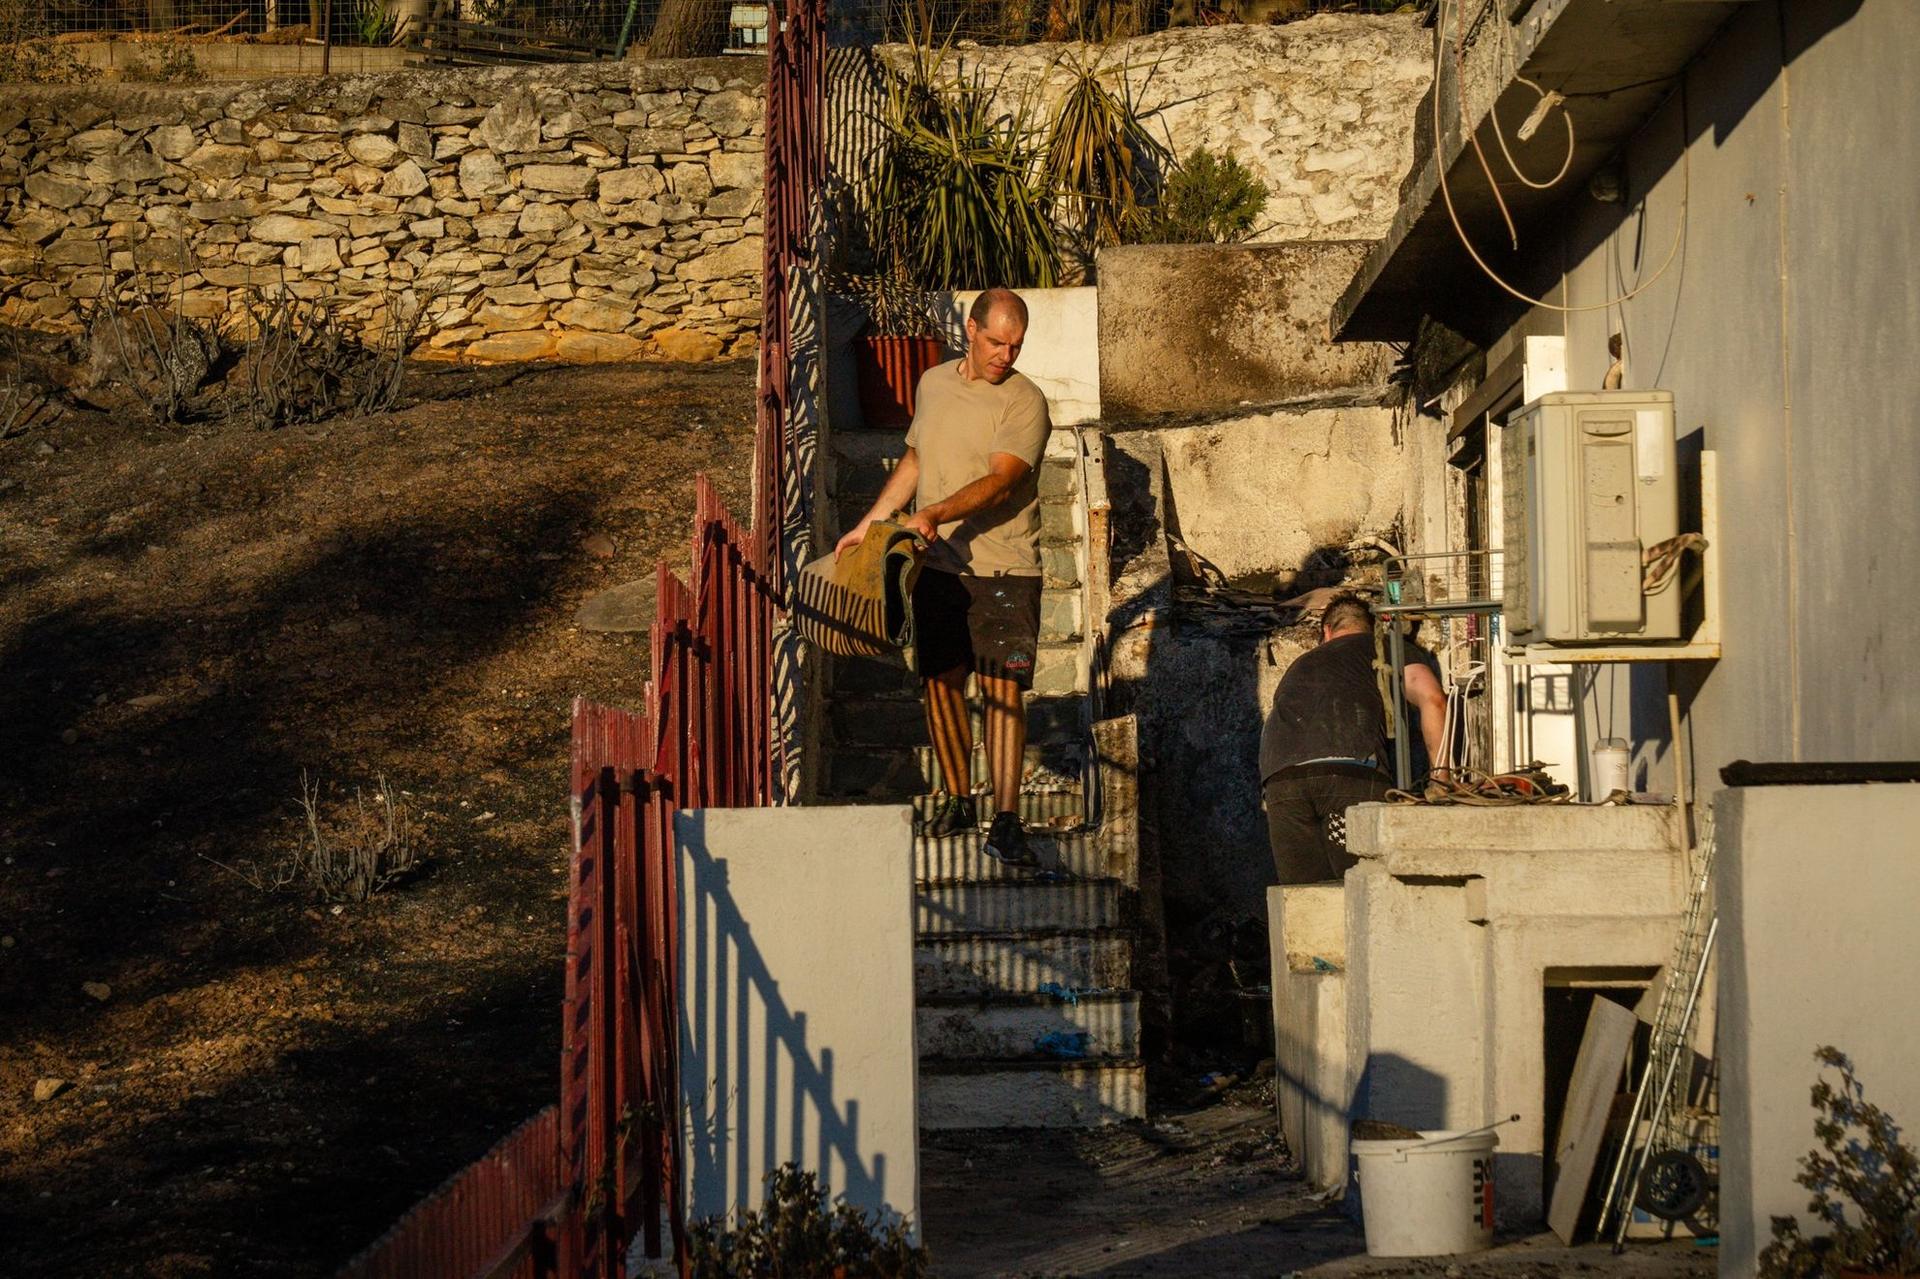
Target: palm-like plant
<point>957,196</point>
<point>1101,160</point>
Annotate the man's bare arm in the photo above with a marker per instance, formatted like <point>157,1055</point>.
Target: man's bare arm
<point>894,494</point>
<point>1425,695</point>
<point>1004,472</point>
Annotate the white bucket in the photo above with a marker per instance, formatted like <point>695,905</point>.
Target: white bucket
<point>1612,759</point>
<point>1430,1196</point>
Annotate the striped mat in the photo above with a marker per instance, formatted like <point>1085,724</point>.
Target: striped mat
<point>861,605</point>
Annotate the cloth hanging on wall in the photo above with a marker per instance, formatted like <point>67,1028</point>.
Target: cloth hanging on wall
<point>861,604</point>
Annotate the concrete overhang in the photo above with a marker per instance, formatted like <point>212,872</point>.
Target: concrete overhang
<point>1614,60</point>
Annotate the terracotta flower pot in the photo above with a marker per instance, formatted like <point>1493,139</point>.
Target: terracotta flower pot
<point>888,369</point>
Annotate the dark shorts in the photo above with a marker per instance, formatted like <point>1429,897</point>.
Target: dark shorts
<point>1307,818</point>
<point>990,625</point>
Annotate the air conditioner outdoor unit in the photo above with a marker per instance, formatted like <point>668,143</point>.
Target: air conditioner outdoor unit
<point>1588,483</point>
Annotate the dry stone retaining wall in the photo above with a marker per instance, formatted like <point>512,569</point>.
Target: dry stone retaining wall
<point>1318,109</point>
<point>610,212</point>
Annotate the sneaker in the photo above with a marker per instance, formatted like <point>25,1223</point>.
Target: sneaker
<point>952,815</point>
<point>1007,842</point>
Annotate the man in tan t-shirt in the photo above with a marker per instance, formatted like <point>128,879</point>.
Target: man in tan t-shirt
<point>971,467</point>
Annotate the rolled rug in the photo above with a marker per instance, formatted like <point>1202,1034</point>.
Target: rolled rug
<point>861,605</point>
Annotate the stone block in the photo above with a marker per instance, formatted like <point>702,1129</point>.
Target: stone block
<point>686,345</point>
<point>536,344</point>
<point>740,259</point>
<point>59,192</point>
<point>543,219</point>
<point>481,174</point>
<point>598,316</point>
<point>404,180</point>
<point>638,182</point>
<point>374,149</point>
<point>564,179</point>
<point>600,348</point>
<point>1256,330</point>
<point>736,169</point>
<point>213,160</point>
<point>284,228</point>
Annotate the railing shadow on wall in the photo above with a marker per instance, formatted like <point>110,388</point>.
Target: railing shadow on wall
<point>759,1043</point>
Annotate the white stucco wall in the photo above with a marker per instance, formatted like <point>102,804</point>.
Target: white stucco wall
<point>1817,888</point>
<point>1062,354</point>
<point>1785,328</point>
<point>796,1014</point>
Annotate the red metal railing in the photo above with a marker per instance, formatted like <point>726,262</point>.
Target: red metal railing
<point>796,162</point>
<point>567,1194</point>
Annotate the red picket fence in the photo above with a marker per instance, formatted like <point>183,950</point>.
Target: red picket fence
<point>704,740</point>
<point>499,1217</point>
<point>570,1190</point>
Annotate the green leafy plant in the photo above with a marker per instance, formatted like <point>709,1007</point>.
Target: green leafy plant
<point>27,53</point>
<point>1208,199</point>
<point>374,22</point>
<point>1102,163</point>
<point>1866,1190</point>
<point>797,1234</point>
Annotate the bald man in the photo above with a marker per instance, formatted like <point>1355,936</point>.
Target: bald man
<point>978,433</point>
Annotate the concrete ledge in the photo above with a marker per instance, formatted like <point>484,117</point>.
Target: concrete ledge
<point>1200,327</point>
<point>1396,831</point>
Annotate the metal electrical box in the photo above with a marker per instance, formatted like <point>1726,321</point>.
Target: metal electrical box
<point>1587,484</point>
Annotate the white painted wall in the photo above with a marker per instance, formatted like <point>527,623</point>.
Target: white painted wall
<point>796,1016</point>
<point>1062,354</point>
<point>1817,889</point>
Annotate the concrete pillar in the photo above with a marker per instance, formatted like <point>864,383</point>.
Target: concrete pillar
<point>1817,887</point>
<point>1312,1087</point>
<point>797,1003</point>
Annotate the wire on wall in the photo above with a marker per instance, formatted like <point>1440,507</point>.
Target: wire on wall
<point>1453,214</point>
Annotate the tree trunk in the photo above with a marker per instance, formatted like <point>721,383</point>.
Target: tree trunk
<point>689,29</point>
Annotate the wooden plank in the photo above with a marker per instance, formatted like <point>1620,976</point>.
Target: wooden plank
<point>1583,1123</point>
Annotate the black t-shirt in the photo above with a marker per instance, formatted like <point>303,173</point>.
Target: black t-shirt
<point>1327,708</point>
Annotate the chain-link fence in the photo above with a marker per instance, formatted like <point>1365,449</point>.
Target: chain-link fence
<point>595,28</point>
<point>1028,21</point>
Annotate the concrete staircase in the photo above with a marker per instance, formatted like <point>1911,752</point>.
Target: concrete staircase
<point>1026,1012</point>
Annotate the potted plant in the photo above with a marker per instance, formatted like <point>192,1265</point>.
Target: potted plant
<point>954,198</point>
<point>1866,1191</point>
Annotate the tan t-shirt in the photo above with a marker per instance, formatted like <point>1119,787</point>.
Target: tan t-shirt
<point>957,425</point>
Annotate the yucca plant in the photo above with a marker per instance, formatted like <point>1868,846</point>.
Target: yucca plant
<point>1102,163</point>
<point>956,197</point>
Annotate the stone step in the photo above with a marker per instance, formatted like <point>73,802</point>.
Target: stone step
<point>1049,765</point>
<point>1040,1094</point>
<point>977,964</point>
<point>1016,905</point>
<point>862,463</point>
<point>900,721</point>
<point>896,775</point>
<point>1099,1024</point>
<point>1046,813</point>
<point>1059,668</point>
<point>1060,519</point>
<point>959,859</point>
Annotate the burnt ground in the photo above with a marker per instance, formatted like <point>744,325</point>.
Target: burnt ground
<point>190,619</point>
<point>1198,1190</point>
